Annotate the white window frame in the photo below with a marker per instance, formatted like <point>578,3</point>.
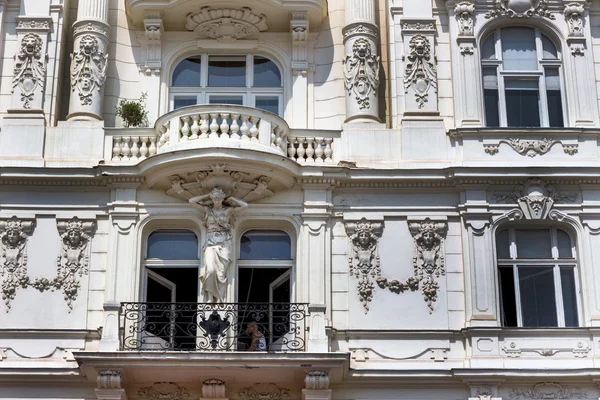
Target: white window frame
<point>555,262</point>
<point>248,92</point>
<point>538,74</point>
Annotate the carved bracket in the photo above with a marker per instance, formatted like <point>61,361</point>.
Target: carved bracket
<point>531,148</point>
<point>465,16</point>
<point>299,26</point>
<point>226,24</point>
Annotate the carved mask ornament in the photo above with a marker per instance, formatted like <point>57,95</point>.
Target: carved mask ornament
<point>574,16</point>
<point>88,68</point>
<point>361,73</point>
<point>465,12</point>
<point>520,9</point>
<point>420,73</point>
<point>29,71</point>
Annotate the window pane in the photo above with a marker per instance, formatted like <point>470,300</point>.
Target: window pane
<point>533,243</point>
<point>490,94</point>
<point>549,49</point>
<point>187,72</point>
<point>507,296</point>
<point>268,103</point>
<point>488,49</point>
<point>522,103</point>
<point>265,245</point>
<point>180,101</point>
<point>564,244</point>
<point>502,244</point>
<point>555,112</point>
<point>173,245</point>
<point>229,71</point>
<point>567,280</point>
<point>538,301</point>
<point>225,99</point>
<point>518,49</point>
<point>266,73</point>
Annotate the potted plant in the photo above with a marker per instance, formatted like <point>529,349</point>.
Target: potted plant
<point>133,112</point>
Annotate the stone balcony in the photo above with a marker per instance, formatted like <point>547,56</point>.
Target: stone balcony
<point>220,126</point>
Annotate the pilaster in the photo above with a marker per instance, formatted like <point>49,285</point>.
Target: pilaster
<point>88,60</point>
<point>299,26</point>
<point>362,62</point>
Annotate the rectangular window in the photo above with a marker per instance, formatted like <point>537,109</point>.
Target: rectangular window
<point>226,99</point>
<point>268,103</point>
<point>518,49</point>
<point>533,243</point>
<point>227,71</point>
<point>538,299</point>
<point>522,103</point>
<point>507,296</point>
<point>567,280</point>
<point>555,111</point>
<point>490,94</point>
<point>183,101</point>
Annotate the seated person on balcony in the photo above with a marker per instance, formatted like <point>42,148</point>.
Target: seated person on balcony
<point>259,342</point>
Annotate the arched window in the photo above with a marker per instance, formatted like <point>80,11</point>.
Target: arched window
<point>537,269</point>
<point>249,80</point>
<point>521,71</point>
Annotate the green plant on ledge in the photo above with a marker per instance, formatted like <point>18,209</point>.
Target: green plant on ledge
<point>133,112</point>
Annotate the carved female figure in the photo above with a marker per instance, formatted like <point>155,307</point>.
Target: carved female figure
<point>219,221</point>
<point>13,243</point>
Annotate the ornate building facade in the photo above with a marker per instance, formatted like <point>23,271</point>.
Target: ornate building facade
<point>313,199</point>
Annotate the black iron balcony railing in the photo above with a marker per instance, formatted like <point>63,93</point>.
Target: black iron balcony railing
<point>214,326</point>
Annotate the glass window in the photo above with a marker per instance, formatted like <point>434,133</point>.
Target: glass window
<point>268,103</point>
<point>226,71</point>
<point>257,245</point>
<point>187,72</point>
<point>173,245</point>
<point>226,99</point>
<point>183,101</point>
<point>537,283</point>
<point>522,82</point>
<point>266,73</point>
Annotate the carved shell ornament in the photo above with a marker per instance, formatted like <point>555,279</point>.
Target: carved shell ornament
<point>88,68</point>
<point>29,71</point>
<point>420,73</point>
<point>361,73</point>
<point>520,9</point>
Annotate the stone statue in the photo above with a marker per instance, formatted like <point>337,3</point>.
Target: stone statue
<point>218,220</point>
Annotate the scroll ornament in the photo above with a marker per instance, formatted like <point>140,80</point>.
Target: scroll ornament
<point>88,69</point>
<point>420,73</point>
<point>29,71</point>
<point>361,73</point>
<point>520,9</point>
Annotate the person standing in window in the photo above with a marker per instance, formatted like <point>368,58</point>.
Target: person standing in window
<point>259,342</point>
<point>219,220</point>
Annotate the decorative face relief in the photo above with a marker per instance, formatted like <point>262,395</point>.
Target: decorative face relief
<point>520,9</point>
<point>465,15</point>
<point>574,16</point>
<point>13,255</point>
<point>428,260</point>
<point>30,70</point>
<point>420,72</point>
<point>361,73</point>
<point>88,68</point>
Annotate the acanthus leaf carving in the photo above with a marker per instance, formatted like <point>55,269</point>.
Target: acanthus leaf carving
<point>88,68</point>
<point>30,69</point>
<point>548,391</point>
<point>574,16</point>
<point>530,148</point>
<point>465,15</point>
<point>264,392</point>
<point>520,9</point>
<point>420,71</point>
<point>361,72</point>
<point>164,391</point>
<point>226,25</point>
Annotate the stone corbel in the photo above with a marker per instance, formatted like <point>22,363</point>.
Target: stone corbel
<point>299,26</point>
<point>213,389</point>
<point>153,30</point>
<point>110,385</point>
<point>484,391</point>
<point>574,13</point>
<point>316,386</point>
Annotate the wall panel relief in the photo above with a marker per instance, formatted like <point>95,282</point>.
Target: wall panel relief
<point>29,71</point>
<point>13,252</point>
<point>88,69</point>
<point>420,73</point>
<point>428,259</point>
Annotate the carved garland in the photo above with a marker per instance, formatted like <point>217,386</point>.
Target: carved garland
<point>29,71</point>
<point>531,148</point>
<point>520,9</point>
<point>428,260</point>
<point>226,25</point>
<point>88,68</point>
<point>548,391</point>
<point>164,390</point>
<point>264,392</point>
<point>361,72</point>
<point>420,73</point>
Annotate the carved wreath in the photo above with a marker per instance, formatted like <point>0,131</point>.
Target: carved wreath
<point>420,73</point>
<point>88,69</point>
<point>29,71</point>
<point>361,73</point>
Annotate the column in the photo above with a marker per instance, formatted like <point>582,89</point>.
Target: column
<point>120,269</point>
<point>109,385</point>
<point>362,62</point>
<point>88,60</point>
<point>316,386</point>
<point>152,44</point>
<point>316,279</point>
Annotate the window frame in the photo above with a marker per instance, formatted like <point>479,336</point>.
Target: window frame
<point>540,74</point>
<point>555,262</point>
<point>248,92</point>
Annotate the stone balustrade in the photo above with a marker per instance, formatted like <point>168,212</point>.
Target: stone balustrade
<point>306,150</point>
<point>133,148</point>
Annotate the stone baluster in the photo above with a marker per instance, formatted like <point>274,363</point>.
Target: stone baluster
<point>244,129</point>
<point>291,147</point>
<point>144,147</point>
<point>135,147</point>
<point>254,129</point>
<point>163,136</point>
<point>90,45</point>
<point>214,126</point>
<point>279,139</point>
<point>117,148</point>
<point>360,33</point>
<point>195,127</point>
<point>310,150</point>
<point>125,149</point>
<point>152,149</point>
<point>319,151</point>
<point>185,128</point>
<point>224,126</point>
<point>301,151</point>
<point>234,126</point>
<point>328,150</point>
<point>203,126</point>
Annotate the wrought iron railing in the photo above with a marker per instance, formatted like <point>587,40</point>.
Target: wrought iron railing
<point>213,326</point>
